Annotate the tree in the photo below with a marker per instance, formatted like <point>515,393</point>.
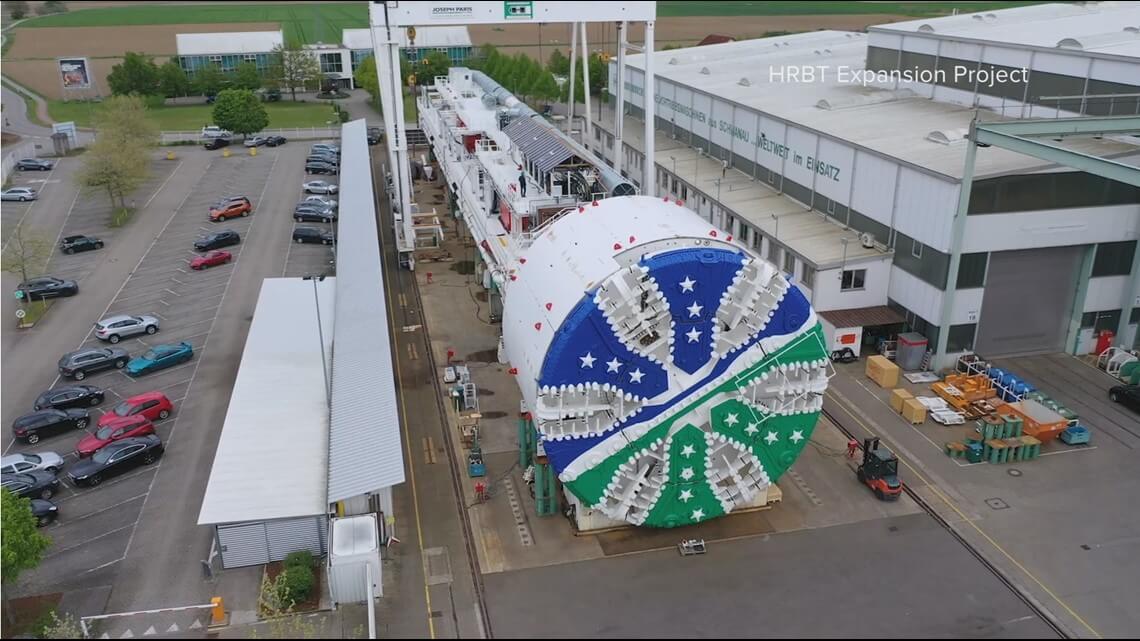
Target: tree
<point>21,544</point>
<point>365,78</point>
<point>240,111</point>
<point>18,9</point>
<point>246,76</point>
<point>172,80</point>
<point>436,63</point>
<point>27,254</point>
<point>52,6</point>
<point>65,628</point>
<point>299,68</point>
<point>135,74</point>
<point>119,161</point>
<point>209,80</point>
<point>126,122</point>
<point>546,87</point>
<point>559,64</point>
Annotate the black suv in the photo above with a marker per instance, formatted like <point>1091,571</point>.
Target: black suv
<point>217,143</point>
<point>48,287</point>
<point>1126,395</point>
<point>217,240</point>
<point>374,136</point>
<point>274,141</point>
<point>80,363</point>
<point>36,484</point>
<point>72,244</point>
<point>312,235</point>
<point>320,167</point>
<point>62,398</point>
<point>313,213</point>
<point>30,428</point>
<point>34,164</point>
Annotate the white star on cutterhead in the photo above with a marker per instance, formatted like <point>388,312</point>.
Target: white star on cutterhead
<point>693,335</point>
<point>694,310</point>
<point>685,495</point>
<point>698,514</point>
<point>797,436</point>
<point>751,429</point>
<point>687,284</point>
<point>587,360</point>
<point>732,419</point>
<point>771,438</point>
<point>688,451</point>
<point>614,365</point>
<point>636,375</point>
<point>687,473</point>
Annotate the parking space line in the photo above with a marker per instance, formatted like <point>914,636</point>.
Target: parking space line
<point>121,479</point>
<point>176,280</point>
<point>172,292</point>
<point>94,538</point>
<point>103,565</point>
<point>109,507</point>
<point>143,342</point>
<point>27,211</point>
<point>164,302</point>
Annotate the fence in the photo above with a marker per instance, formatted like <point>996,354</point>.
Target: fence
<point>300,133</point>
<point>13,154</point>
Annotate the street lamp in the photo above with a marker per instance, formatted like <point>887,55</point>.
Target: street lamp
<point>321,336</point>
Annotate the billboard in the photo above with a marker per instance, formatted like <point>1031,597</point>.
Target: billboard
<point>75,73</point>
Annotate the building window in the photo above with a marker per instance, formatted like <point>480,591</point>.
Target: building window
<point>684,192</point>
<point>831,206</point>
<point>789,263</point>
<point>674,189</point>
<point>597,134</point>
<point>972,270</point>
<point>1114,259</point>
<point>773,253</point>
<point>915,249</point>
<point>1099,321</point>
<point>1134,317</point>
<point>746,234</point>
<point>772,177</point>
<point>961,338</point>
<point>852,280</point>
<point>330,63</point>
<point>250,57</point>
<point>808,278</point>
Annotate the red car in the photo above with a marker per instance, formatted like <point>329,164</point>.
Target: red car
<point>120,428</point>
<point>216,257</point>
<point>154,406</point>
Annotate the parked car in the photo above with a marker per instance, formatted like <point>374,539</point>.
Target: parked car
<point>1126,395</point>
<point>30,428</point>
<point>42,485</point>
<point>81,363</point>
<point>320,187</point>
<point>217,143</point>
<point>314,214</point>
<point>211,259</point>
<point>116,328</point>
<point>320,200</point>
<point>214,131</point>
<point>275,141</point>
<point>153,406</point>
<point>326,154</point>
<point>320,167</point>
<point>374,136</point>
<point>45,512</point>
<point>22,194</point>
<point>116,458</point>
<point>34,164</point>
<point>327,146</point>
<point>21,463</point>
<point>160,357</point>
<point>48,287</point>
<point>312,235</point>
<point>232,208</point>
<point>62,398</point>
<point>115,430</point>
<point>72,244</point>
<point>217,240</point>
<point>256,141</point>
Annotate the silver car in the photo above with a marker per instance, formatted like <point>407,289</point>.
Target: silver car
<point>23,463</point>
<point>116,328</point>
<point>18,193</point>
<point>319,187</point>
<point>320,200</point>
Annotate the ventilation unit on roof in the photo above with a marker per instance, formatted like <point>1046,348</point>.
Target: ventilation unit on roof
<point>1132,29</point>
<point>705,71</point>
<point>674,61</point>
<point>926,28</point>
<point>867,240</point>
<point>744,82</point>
<point>948,136</point>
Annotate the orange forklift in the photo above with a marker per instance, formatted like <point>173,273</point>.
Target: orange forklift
<point>879,470</point>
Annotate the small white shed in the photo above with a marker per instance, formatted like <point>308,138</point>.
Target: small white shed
<point>354,559</point>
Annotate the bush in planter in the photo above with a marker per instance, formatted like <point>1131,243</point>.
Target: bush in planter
<point>303,558</point>
<point>296,584</point>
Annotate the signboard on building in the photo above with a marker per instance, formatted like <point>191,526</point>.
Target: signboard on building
<point>75,73</point>
<point>403,14</point>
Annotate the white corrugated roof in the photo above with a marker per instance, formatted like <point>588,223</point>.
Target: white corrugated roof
<point>365,451</point>
<point>1104,27</point>
<point>870,117</point>
<point>270,461</point>
<point>234,42</point>
<point>426,37</point>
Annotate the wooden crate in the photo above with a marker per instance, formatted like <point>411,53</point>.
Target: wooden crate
<point>899,396</point>
<point>882,371</point>
<point>914,411</point>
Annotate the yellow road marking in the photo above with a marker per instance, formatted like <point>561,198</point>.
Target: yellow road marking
<point>966,519</point>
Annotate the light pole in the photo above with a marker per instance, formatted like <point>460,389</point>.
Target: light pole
<point>697,167</point>
<point>321,336</point>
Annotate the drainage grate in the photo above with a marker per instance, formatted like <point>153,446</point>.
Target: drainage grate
<point>997,504</point>
<point>802,484</point>
<point>520,518</point>
<point>893,528</point>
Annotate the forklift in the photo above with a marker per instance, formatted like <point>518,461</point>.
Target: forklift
<point>879,470</point>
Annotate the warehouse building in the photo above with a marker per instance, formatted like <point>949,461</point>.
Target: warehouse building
<point>227,50</point>
<point>850,180</point>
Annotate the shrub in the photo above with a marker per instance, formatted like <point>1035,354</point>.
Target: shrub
<point>296,584</point>
<point>303,558</point>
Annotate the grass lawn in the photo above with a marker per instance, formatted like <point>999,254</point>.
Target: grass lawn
<point>674,8</point>
<point>282,115</point>
<point>307,23</point>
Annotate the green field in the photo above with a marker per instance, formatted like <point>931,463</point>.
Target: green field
<point>282,115</point>
<point>310,23</point>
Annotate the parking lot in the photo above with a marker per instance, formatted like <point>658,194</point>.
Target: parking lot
<point>100,528</point>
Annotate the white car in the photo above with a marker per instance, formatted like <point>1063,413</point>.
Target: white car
<point>214,131</point>
<point>320,200</point>
<point>18,193</point>
<point>320,187</point>
<point>23,463</point>
<point>115,328</point>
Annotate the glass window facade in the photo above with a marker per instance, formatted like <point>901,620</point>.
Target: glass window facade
<point>226,63</point>
<point>1114,259</point>
<point>1065,190</point>
<point>331,63</point>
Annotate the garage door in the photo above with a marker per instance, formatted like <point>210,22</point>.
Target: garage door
<point>243,544</point>
<point>1028,300</point>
